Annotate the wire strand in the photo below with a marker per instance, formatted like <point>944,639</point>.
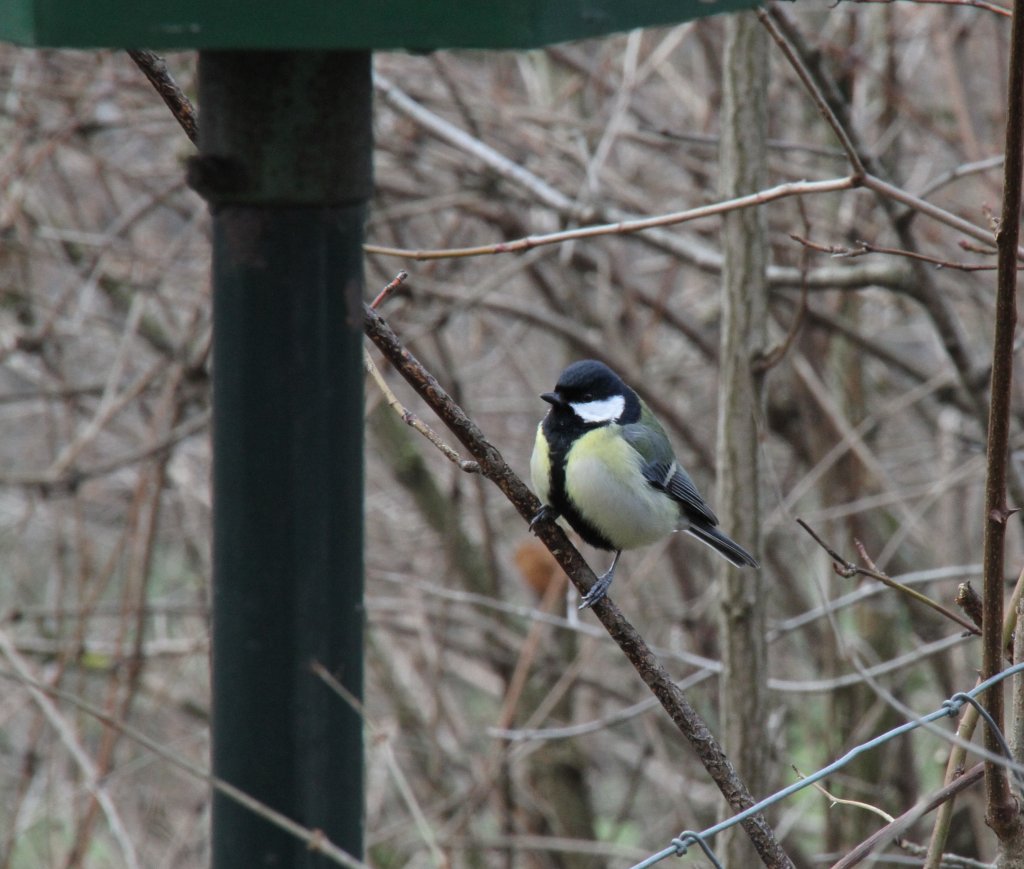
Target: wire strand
<point>949,708</point>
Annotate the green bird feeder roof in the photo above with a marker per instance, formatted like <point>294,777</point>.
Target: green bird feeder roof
<point>417,25</point>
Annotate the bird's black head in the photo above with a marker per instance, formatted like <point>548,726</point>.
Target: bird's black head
<point>594,394</point>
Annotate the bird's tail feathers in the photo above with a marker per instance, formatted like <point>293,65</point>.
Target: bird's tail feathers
<point>723,545</point>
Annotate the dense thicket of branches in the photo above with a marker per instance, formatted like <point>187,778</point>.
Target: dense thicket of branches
<point>504,733</point>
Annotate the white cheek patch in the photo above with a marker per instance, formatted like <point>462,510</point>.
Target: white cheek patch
<point>605,410</point>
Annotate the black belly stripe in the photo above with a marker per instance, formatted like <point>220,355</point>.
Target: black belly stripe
<point>561,437</point>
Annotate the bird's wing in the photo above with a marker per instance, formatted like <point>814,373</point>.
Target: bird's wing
<point>662,471</point>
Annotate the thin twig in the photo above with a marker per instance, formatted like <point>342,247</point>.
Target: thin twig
<point>962,171</point>
<point>865,247</point>
<point>624,227</point>
<point>872,182</point>
<point>155,69</point>
<point>814,92</point>
<point>847,568</point>
<point>389,289</point>
<point>413,421</point>
<point>895,828</point>
<point>839,801</point>
<point>408,417</point>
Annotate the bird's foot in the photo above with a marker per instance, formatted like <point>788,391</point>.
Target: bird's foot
<point>597,591</point>
<point>545,512</point>
<point>600,587</point>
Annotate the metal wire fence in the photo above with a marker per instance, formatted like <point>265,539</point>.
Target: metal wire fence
<point>951,707</point>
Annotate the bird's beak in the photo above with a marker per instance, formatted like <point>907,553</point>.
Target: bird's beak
<point>553,398</point>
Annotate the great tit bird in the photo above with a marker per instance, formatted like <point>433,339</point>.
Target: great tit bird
<point>602,462</point>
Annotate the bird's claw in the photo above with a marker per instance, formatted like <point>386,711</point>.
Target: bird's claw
<point>597,591</point>
<point>600,587</point>
<point>545,512</point>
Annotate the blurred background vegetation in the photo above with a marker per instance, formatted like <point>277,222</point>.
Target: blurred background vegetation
<point>503,732</point>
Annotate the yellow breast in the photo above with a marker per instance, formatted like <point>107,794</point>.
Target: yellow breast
<point>604,480</point>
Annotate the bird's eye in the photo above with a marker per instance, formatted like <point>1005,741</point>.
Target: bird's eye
<point>588,396</point>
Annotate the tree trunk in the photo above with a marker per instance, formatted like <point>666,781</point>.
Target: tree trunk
<point>744,313</point>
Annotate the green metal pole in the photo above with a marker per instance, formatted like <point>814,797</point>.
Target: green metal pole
<point>285,162</point>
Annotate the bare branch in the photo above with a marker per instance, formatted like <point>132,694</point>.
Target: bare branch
<point>624,227</point>
<point>864,247</point>
<point>655,676</point>
<point>847,568</point>
<point>895,828</point>
<point>155,69</point>
<point>1002,811</point>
